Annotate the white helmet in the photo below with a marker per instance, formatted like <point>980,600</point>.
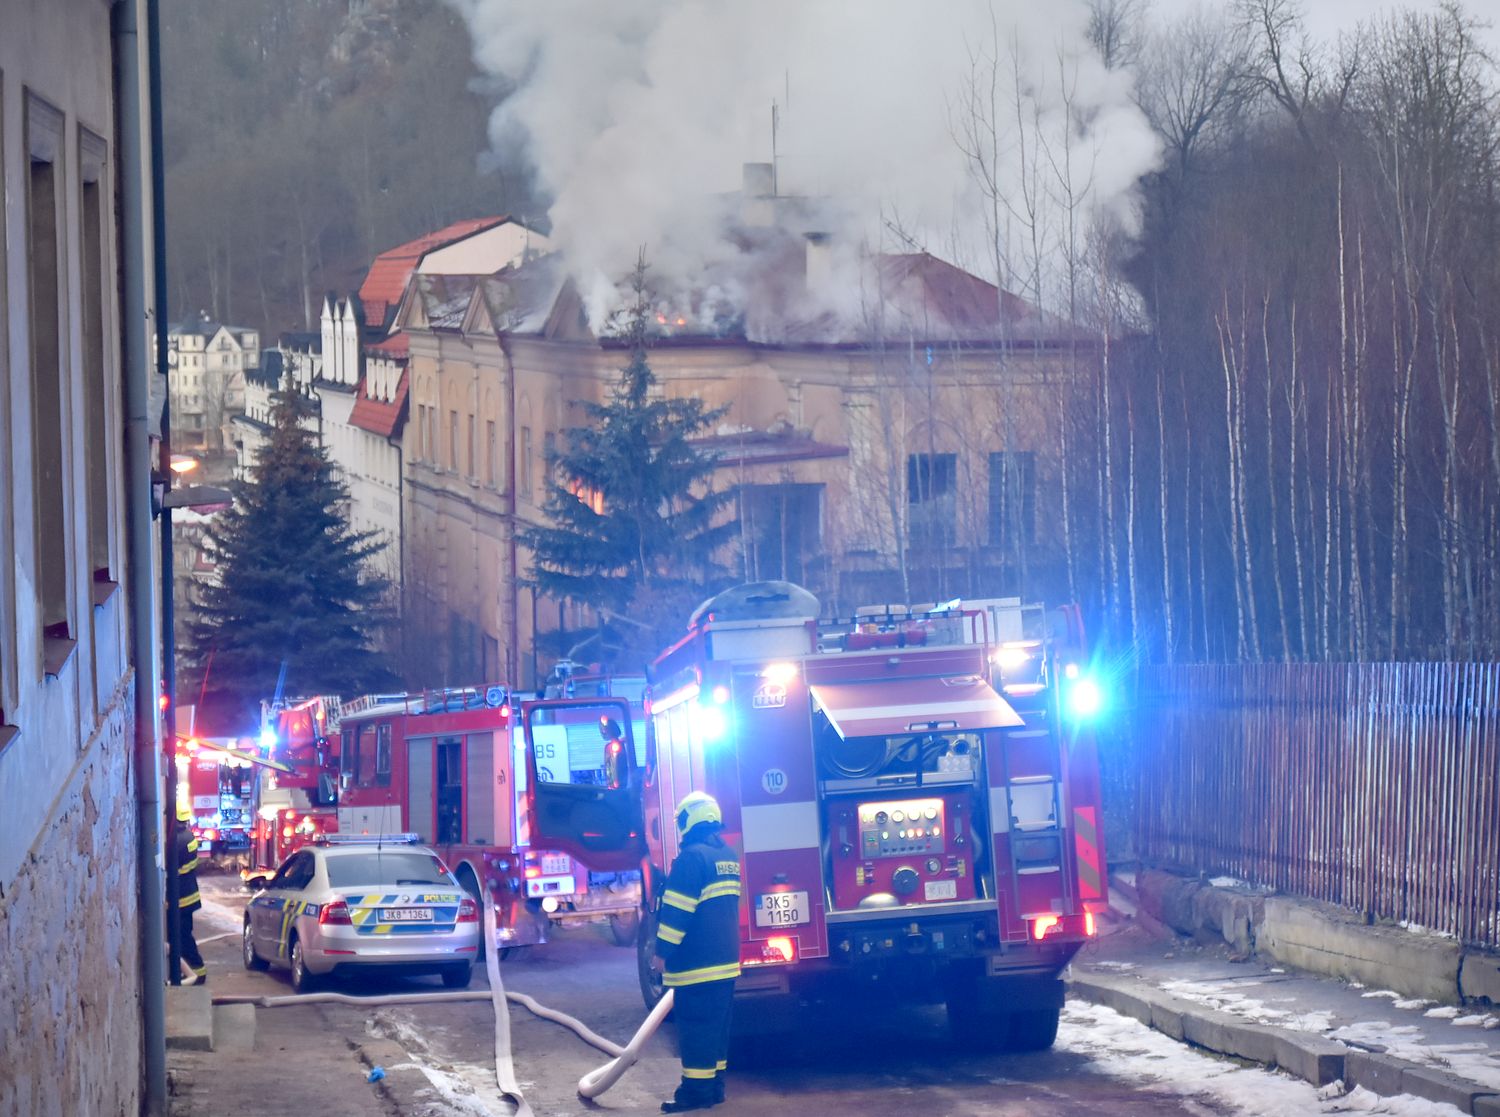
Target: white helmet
<point>695,808</point>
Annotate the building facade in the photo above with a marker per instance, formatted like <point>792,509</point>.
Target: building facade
<point>70,928</point>
<point>207,363</point>
<point>906,453</point>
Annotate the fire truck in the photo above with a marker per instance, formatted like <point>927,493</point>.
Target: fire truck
<point>913,792</point>
<point>442,765</point>
<point>296,796</point>
<point>216,783</point>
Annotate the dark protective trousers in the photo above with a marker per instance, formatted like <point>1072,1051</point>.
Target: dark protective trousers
<point>189,945</point>
<point>702,1013</point>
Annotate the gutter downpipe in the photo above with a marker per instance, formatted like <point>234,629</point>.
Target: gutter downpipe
<point>512,666</point>
<point>164,469</point>
<point>136,308</point>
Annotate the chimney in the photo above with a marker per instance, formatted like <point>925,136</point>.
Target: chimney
<point>758,199</point>
<point>819,261</point>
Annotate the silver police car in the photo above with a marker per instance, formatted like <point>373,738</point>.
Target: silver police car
<point>381,903</point>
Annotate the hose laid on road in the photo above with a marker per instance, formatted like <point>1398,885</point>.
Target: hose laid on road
<point>591,1085</point>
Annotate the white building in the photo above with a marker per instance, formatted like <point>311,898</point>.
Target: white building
<point>207,363</point>
<point>71,945</point>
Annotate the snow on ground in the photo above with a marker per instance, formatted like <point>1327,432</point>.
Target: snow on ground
<point>459,1088</point>
<point>1124,1048</point>
<point>1217,996</point>
<point>221,917</point>
<point>1473,1061</point>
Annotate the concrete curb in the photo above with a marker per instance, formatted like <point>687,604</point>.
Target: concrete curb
<point>405,1087</point>
<point>1320,938</point>
<point>190,1020</point>
<point>1309,1057</point>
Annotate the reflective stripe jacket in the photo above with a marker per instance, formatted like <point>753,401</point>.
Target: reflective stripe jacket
<point>187,869</point>
<point>698,928</point>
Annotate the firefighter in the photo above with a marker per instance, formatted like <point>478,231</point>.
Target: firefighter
<point>698,942</point>
<point>188,900</point>
<point>614,752</point>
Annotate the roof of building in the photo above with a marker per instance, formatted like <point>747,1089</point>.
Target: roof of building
<point>270,370</point>
<point>309,341</point>
<point>766,447</point>
<point>386,280</point>
<point>396,346</point>
<point>376,416</point>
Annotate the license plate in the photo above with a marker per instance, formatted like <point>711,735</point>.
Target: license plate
<point>781,909</point>
<point>940,890</point>
<point>554,863</point>
<point>406,915</point>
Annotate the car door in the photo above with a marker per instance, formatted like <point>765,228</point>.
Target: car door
<point>577,803</point>
<point>262,906</point>
<point>272,907</point>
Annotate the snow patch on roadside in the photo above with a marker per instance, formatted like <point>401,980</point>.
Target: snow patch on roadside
<point>1237,1004</point>
<point>1405,1041</point>
<point>1122,1047</point>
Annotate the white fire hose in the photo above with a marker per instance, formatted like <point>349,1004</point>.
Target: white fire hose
<point>591,1085</point>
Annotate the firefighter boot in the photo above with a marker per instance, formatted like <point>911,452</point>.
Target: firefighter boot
<point>719,1088</point>
<point>692,1094</point>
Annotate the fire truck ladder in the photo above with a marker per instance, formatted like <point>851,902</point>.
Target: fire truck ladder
<point>1034,802</point>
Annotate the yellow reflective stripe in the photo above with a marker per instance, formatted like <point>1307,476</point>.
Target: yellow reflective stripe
<point>192,845</point>
<point>722,1064</point>
<point>707,973</point>
<point>694,1072</point>
<point>190,867</point>
<point>669,934</point>
<point>184,901</point>
<point>678,900</point>
<point>720,888</point>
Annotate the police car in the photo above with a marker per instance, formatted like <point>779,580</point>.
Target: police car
<point>381,903</point>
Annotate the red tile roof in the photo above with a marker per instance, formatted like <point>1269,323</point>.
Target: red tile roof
<point>376,416</point>
<point>386,280</point>
<point>397,345</point>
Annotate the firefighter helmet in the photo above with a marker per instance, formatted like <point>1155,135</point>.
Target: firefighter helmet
<point>183,814</point>
<point>696,808</point>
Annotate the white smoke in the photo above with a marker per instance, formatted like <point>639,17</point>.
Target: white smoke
<point>639,114</point>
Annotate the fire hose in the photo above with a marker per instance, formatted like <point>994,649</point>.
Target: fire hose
<point>591,1085</point>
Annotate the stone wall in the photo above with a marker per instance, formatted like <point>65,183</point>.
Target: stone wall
<point>70,1012</point>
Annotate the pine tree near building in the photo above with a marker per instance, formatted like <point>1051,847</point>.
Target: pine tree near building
<point>634,520</point>
<point>295,609</point>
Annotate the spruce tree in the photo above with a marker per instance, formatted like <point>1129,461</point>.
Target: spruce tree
<point>295,609</point>
<point>634,520</point>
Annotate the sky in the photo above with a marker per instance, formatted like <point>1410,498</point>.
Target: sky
<point>1326,18</point>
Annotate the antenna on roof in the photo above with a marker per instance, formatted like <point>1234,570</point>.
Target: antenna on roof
<point>775,119</point>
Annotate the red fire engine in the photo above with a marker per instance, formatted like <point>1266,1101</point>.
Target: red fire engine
<point>216,782</point>
<point>915,802</point>
<point>442,765</point>
<point>296,805</point>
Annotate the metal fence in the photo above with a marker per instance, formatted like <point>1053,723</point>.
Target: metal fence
<point>1371,786</point>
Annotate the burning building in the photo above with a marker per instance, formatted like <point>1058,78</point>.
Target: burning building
<point>890,426</point>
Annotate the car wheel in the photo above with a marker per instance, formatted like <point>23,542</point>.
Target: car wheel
<point>253,961</point>
<point>457,977</point>
<point>303,981</point>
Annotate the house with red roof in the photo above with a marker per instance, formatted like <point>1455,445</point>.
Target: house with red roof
<point>354,370</point>
<point>891,429</point>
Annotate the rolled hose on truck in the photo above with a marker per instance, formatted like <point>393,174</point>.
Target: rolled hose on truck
<point>591,1085</point>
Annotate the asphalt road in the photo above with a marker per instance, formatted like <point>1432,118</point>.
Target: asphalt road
<point>894,1064</point>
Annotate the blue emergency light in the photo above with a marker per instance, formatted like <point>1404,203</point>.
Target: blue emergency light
<point>1084,698</point>
<point>267,738</point>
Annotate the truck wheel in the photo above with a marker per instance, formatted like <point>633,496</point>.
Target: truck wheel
<point>625,928</point>
<point>652,989</point>
<point>974,1025</point>
<point>1034,1029</point>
